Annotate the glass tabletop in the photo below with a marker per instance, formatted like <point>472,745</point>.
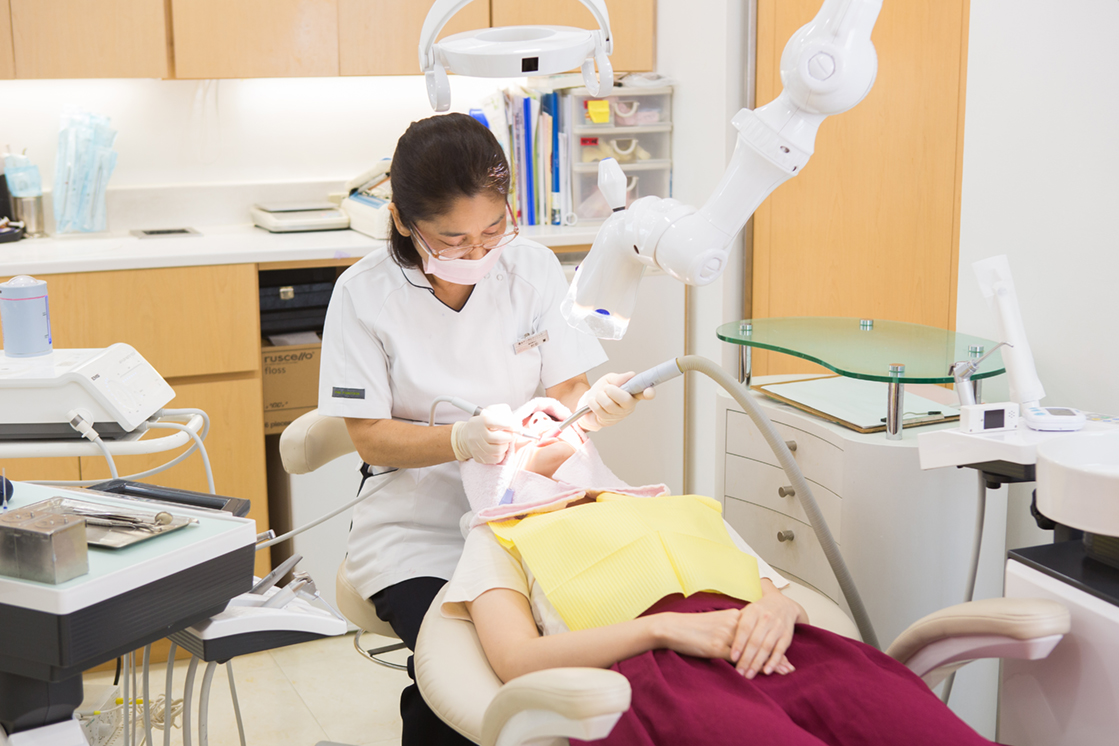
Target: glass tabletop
<point>856,349</point>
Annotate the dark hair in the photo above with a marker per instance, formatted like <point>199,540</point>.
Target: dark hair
<point>438,160</point>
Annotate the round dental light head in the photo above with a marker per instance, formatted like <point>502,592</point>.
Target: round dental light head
<point>513,51</point>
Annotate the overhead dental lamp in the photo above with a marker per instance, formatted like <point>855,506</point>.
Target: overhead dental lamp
<point>828,67</point>
<point>513,51</point>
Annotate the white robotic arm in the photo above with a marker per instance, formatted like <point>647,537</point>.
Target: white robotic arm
<point>827,67</point>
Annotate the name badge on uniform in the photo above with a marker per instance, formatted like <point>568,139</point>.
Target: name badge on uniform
<point>530,341</point>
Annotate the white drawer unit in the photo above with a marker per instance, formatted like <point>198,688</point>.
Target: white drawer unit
<point>787,544</point>
<point>906,535</point>
<point>768,486</point>
<point>821,461</point>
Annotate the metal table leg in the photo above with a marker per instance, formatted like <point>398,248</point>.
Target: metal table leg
<point>895,403</point>
<point>745,355</point>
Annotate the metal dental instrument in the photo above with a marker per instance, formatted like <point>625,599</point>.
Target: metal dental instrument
<point>655,376</point>
<point>473,410</point>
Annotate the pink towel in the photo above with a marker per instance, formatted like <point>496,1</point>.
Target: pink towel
<point>506,490</point>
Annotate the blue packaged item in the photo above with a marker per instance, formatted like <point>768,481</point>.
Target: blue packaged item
<point>85,162</point>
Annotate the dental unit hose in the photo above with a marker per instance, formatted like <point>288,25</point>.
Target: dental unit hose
<point>699,364</point>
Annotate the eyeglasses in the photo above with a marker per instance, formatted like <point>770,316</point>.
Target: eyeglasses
<point>502,235</point>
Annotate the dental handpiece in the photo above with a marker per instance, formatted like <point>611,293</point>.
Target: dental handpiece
<point>273,577</point>
<point>655,376</point>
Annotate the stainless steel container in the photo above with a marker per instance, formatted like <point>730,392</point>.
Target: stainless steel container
<point>42,544</point>
<point>30,211</point>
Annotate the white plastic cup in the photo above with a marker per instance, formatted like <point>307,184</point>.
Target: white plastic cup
<point>25,315</point>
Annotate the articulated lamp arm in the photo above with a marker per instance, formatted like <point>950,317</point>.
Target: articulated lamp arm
<point>828,67</point>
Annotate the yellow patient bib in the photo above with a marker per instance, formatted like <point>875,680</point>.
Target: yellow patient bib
<point>606,562</point>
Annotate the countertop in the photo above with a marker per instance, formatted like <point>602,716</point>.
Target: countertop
<point>231,244</point>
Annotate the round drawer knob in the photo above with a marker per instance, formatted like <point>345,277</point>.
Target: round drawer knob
<point>786,491</point>
<point>786,535</point>
<point>792,444</point>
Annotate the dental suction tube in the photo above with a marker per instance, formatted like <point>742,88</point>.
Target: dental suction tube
<point>828,67</point>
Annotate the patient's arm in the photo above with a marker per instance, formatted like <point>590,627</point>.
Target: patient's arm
<point>514,646</point>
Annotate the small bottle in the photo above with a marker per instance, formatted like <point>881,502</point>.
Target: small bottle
<point>25,316</point>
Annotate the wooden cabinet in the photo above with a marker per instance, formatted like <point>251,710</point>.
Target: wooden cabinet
<point>7,58</point>
<point>185,321</point>
<point>382,37</point>
<point>633,24</point>
<point>83,39</point>
<point>256,38</point>
<point>870,229</point>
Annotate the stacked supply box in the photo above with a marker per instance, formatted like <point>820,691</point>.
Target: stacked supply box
<point>633,125</point>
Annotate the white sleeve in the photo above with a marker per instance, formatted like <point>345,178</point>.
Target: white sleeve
<point>568,352</point>
<point>764,570</point>
<point>354,369</point>
<point>484,565</point>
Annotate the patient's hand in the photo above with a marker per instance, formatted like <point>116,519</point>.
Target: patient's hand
<point>764,633</point>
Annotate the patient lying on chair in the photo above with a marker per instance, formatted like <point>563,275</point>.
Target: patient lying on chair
<point>567,566</point>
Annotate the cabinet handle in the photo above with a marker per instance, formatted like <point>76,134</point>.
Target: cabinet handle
<point>786,491</point>
<point>786,535</point>
<point>287,292</point>
<point>792,444</point>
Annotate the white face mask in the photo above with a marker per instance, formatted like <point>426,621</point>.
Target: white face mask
<point>461,271</point>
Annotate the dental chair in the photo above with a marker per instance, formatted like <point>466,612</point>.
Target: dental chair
<point>553,705</point>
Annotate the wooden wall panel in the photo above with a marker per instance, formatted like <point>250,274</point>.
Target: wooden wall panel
<point>185,321</point>
<point>255,38</point>
<point>7,56</point>
<point>89,38</point>
<point>633,24</point>
<point>870,228</point>
<point>382,37</point>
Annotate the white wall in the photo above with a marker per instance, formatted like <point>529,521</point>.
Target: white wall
<point>1041,157</point>
<point>705,52</point>
<point>229,131</point>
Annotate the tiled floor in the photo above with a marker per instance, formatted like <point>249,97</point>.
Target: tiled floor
<point>294,696</point>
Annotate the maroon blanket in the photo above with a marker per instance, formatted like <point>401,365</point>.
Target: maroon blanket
<point>842,693</point>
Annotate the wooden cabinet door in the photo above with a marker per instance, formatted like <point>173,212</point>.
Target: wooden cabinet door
<point>633,24</point>
<point>235,446</point>
<point>7,57</point>
<point>382,37</point>
<point>870,229</point>
<point>185,321</point>
<point>255,38</point>
<point>47,469</point>
<point>89,38</point>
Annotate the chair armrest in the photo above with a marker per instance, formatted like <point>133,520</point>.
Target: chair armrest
<point>822,611</point>
<point>582,703</point>
<point>452,671</point>
<point>991,628</point>
<point>313,440</point>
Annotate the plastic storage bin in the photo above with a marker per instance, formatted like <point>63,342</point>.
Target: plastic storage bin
<point>642,180</point>
<point>631,125</point>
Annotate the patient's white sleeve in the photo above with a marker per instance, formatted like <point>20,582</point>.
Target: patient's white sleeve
<point>485,565</point>
<point>764,570</point>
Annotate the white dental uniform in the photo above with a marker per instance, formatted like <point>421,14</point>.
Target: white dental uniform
<point>390,347</point>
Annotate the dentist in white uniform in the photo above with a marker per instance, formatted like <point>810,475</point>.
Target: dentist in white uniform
<point>457,305</point>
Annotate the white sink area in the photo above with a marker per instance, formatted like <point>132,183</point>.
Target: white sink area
<point>1078,481</point>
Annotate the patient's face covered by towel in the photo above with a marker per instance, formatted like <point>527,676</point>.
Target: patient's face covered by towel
<point>543,457</point>
<point>542,476</point>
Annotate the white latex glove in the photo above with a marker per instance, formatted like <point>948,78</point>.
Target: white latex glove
<point>484,437</point>
<point>608,402</point>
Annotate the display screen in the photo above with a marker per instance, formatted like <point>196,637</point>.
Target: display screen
<point>994,418</point>
<point>1060,412</point>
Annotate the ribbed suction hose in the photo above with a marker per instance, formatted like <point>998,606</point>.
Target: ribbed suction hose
<point>800,485</point>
